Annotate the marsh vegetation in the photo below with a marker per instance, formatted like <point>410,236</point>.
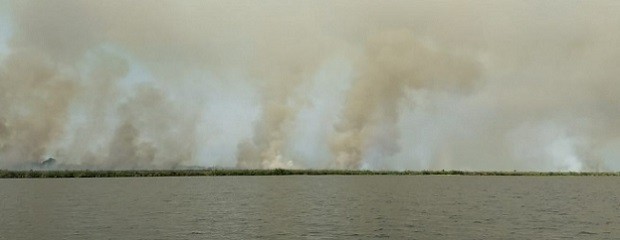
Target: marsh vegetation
<point>268,172</point>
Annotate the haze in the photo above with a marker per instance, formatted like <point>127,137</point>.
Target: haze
<point>399,85</point>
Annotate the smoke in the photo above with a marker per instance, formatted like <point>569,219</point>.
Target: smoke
<point>35,98</point>
<point>280,72</point>
<point>474,85</point>
<point>153,132</point>
<point>393,62</point>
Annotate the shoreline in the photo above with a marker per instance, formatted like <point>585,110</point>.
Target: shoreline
<point>270,172</point>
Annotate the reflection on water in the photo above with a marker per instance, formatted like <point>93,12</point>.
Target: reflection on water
<point>311,207</point>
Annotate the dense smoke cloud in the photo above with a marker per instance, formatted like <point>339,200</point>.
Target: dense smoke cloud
<point>31,87</point>
<point>393,62</point>
<point>479,85</point>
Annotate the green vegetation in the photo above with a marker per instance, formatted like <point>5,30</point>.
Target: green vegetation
<point>267,172</point>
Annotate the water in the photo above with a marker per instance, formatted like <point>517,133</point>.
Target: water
<point>311,207</point>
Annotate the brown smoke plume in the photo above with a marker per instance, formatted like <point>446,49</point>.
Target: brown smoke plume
<point>393,63</point>
<point>67,100</point>
<point>35,97</point>
<point>280,79</point>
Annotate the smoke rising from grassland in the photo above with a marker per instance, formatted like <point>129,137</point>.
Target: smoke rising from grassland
<point>472,85</point>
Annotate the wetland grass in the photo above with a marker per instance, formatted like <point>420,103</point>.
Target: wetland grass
<point>269,172</point>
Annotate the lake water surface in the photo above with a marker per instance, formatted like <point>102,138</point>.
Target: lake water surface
<point>311,207</point>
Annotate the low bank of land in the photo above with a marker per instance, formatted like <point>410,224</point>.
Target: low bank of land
<point>266,172</point>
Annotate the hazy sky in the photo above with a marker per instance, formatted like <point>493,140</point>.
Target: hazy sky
<point>471,85</point>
